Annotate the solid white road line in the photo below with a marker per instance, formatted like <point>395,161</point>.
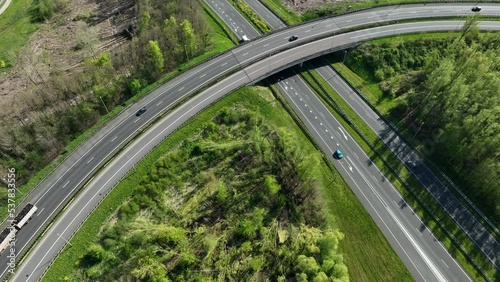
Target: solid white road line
<point>423,255</point>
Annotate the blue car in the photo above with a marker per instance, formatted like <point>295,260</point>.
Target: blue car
<point>338,154</point>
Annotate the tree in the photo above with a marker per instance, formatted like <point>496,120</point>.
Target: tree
<point>272,185</point>
<point>150,269</point>
<point>307,265</point>
<point>470,27</point>
<point>44,9</point>
<point>135,86</point>
<point>87,39</point>
<point>144,21</point>
<point>188,38</point>
<point>157,59</point>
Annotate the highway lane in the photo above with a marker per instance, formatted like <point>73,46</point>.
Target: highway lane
<point>56,238</point>
<point>256,71</point>
<point>424,256</point>
<point>474,229</point>
<point>483,239</point>
<point>82,161</point>
<point>271,19</point>
<point>234,20</point>
<point>404,231</point>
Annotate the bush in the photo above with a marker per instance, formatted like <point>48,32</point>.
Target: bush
<point>45,9</point>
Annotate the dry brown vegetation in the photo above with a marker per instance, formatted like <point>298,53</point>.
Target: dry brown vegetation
<point>57,50</point>
<point>88,51</point>
<point>300,6</point>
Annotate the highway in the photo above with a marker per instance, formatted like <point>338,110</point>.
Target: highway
<point>271,19</point>
<point>232,18</point>
<point>305,95</point>
<point>424,256</point>
<point>156,103</point>
<point>463,218</point>
<point>96,151</point>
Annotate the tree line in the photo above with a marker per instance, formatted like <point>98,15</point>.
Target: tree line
<point>449,96</point>
<point>58,105</point>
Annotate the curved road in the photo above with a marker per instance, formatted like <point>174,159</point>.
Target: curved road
<point>463,218</point>
<point>98,150</point>
<point>4,5</point>
<point>473,228</point>
<point>55,238</point>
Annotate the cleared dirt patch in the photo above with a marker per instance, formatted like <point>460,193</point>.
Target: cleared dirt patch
<point>301,6</point>
<point>83,29</point>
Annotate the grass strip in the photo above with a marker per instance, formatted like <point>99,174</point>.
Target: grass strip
<point>435,218</point>
<point>16,27</point>
<point>282,12</point>
<point>250,15</point>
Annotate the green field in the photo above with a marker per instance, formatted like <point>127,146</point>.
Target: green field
<point>15,29</point>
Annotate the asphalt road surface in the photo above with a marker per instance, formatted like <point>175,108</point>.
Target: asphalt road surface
<point>271,19</point>
<point>485,241</point>
<point>233,19</point>
<point>424,256</point>
<point>474,229</point>
<point>96,151</point>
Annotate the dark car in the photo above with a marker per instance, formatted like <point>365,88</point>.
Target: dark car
<point>411,163</point>
<point>141,111</point>
<point>338,154</point>
<point>293,38</point>
<point>476,9</point>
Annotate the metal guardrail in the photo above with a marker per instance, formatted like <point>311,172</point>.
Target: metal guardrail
<point>58,165</point>
<point>434,167</point>
<point>421,201</point>
<point>23,200</point>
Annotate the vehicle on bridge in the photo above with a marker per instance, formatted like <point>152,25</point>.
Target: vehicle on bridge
<point>141,111</point>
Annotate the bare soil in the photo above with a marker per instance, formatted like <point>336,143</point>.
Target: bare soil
<point>300,6</point>
<point>56,48</point>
